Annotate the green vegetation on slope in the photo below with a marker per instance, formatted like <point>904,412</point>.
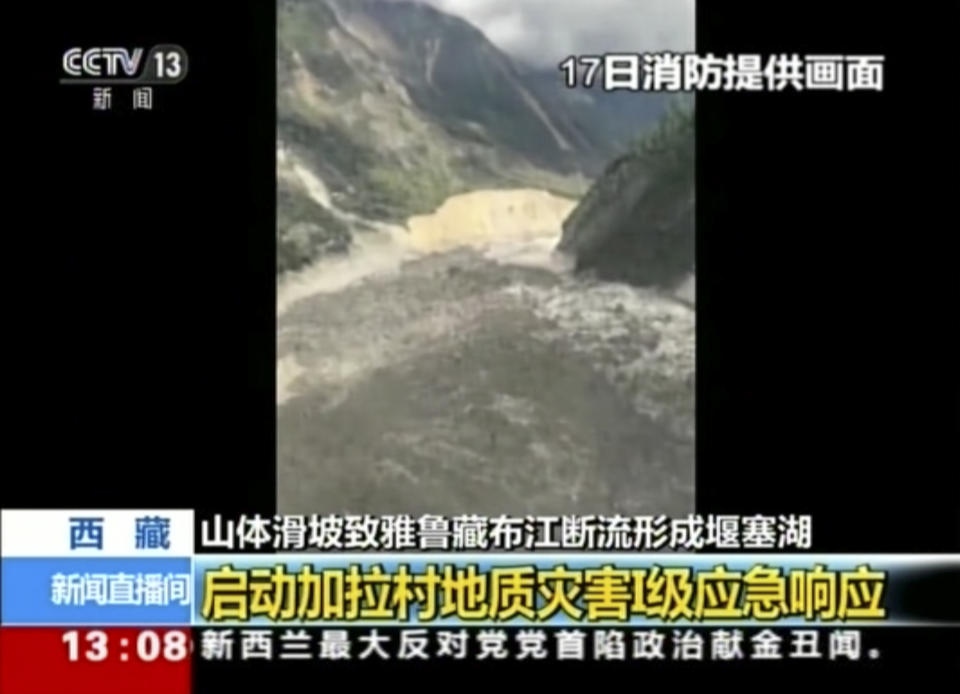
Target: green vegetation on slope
<point>636,224</point>
<point>305,230</point>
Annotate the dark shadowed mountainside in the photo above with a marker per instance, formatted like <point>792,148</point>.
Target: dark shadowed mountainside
<point>636,224</point>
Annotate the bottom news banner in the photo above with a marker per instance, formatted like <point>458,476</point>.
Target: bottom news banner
<point>133,601</point>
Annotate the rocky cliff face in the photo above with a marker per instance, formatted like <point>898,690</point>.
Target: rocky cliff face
<point>636,224</point>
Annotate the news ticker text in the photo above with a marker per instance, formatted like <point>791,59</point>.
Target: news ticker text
<point>65,567</point>
<point>404,532</point>
<point>532,593</point>
<point>225,645</point>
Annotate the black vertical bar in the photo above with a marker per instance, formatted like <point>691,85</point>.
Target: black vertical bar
<point>140,273</point>
<point>827,370</point>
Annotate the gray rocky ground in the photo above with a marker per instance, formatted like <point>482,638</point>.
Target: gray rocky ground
<point>457,383</point>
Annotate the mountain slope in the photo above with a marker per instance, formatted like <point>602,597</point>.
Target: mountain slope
<point>385,110</point>
<point>636,224</point>
<point>602,124</point>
